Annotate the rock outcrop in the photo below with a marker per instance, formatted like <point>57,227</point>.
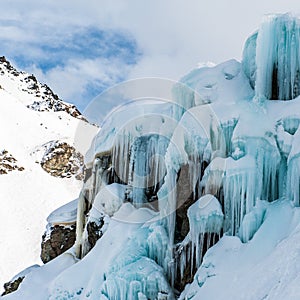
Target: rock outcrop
<point>59,239</point>
<point>62,160</point>
<point>8,163</point>
<point>12,286</point>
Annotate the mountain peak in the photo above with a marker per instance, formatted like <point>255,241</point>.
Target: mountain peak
<point>35,95</point>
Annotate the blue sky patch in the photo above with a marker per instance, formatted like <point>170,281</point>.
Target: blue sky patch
<point>62,49</point>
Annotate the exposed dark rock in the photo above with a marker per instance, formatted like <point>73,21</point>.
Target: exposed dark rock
<point>7,64</point>
<point>94,232</point>
<point>8,163</point>
<point>12,286</point>
<point>60,239</point>
<point>185,199</point>
<point>62,160</point>
<point>53,104</point>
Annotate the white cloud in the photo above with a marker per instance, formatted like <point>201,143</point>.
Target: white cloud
<point>73,79</point>
<point>173,35</point>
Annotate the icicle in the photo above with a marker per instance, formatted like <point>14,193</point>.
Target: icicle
<point>143,276</point>
<point>89,190</point>
<point>168,212</point>
<point>96,179</point>
<point>228,128</point>
<point>205,217</point>
<point>157,244</point>
<point>80,223</point>
<point>139,170</point>
<point>212,180</point>
<point>146,167</point>
<point>293,181</point>
<point>249,59</point>
<point>197,137</point>
<point>268,163</point>
<point>277,58</point>
<point>195,170</point>
<point>120,155</point>
<point>240,191</point>
<point>184,96</point>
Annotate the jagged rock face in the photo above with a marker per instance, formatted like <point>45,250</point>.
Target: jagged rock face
<point>53,103</point>
<point>49,101</point>
<point>8,163</point>
<point>57,241</point>
<point>12,286</point>
<point>62,160</point>
<point>6,65</point>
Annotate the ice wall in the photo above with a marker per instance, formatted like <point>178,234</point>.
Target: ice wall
<point>217,135</point>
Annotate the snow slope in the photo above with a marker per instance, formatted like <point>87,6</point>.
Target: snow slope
<point>28,196</point>
<point>266,268</point>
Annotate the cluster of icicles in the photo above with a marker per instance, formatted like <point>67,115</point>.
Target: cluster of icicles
<point>229,172</point>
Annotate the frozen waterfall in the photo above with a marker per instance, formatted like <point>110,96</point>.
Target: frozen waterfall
<point>272,56</point>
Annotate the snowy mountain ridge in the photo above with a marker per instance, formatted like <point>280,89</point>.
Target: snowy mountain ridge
<point>31,92</point>
<point>28,192</point>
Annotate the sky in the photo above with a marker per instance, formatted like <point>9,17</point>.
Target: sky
<point>80,48</point>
